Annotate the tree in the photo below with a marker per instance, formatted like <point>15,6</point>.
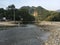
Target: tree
<point>11,12</point>
<point>2,13</point>
<point>11,7</point>
<point>27,18</point>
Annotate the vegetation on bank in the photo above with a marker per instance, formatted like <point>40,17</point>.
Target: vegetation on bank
<point>26,14</point>
<point>54,16</point>
<point>14,14</point>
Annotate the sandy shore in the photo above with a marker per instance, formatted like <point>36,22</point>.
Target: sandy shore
<point>7,24</point>
<point>11,23</point>
<point>49,23</point>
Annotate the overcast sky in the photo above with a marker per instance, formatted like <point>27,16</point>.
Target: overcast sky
<point>47,4</point>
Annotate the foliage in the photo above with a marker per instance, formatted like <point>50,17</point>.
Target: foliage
<point>21,14</point>
<point>25,14</point>
<point>55,16</point>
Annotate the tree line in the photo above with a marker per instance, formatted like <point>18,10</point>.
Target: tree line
<point>13,14</point>
<point>25,14</point>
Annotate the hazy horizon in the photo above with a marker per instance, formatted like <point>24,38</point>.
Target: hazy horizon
<point>47,4</point>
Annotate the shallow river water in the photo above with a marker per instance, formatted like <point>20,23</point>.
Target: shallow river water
<point>26,35</point>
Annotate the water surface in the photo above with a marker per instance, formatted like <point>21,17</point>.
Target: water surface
<point>26,35</point>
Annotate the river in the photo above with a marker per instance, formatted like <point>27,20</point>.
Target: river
<point>24,35</point>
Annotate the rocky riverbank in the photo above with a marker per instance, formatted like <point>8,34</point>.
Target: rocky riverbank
<point>54,28</point>
<point>54,38</point>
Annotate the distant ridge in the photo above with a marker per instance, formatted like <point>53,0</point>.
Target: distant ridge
<point>58,10</point>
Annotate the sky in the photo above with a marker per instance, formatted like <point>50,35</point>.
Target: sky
<point>47,4</point>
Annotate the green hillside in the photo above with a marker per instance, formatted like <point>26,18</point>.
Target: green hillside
<point>27,13</point>
<point>46,15</point>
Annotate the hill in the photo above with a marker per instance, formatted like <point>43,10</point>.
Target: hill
<point>58,10</point>
<point>43,14</point>
<point>29,13</point>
